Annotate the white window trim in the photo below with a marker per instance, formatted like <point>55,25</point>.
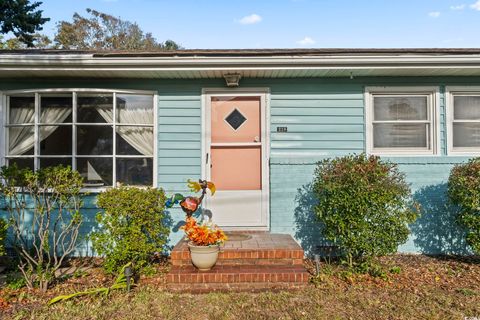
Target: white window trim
<point>450,92</point>
<point>432,91</point>
<point>74,91</point>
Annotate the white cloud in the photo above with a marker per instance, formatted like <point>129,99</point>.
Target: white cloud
<point>476,5</point>
<point>458,7</point>
<point>434,14</point>
<point>306,41</point>
<point>251,19</point>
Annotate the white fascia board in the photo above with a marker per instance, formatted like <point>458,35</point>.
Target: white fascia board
<point>334,61</point>
<point>136,66</point>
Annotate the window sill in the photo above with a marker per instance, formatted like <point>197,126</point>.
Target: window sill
<point>403,153</point>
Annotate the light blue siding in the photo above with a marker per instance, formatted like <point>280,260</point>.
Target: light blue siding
<point>324,117</point>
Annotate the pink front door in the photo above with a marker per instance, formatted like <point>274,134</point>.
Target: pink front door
<point>236,158</point>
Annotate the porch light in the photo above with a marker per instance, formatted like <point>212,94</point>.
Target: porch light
<point>232,79</point>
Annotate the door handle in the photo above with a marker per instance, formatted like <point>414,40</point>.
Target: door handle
<point>206,158</point>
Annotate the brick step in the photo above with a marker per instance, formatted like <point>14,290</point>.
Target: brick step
<point>238,274</point>
<point>237,257</point>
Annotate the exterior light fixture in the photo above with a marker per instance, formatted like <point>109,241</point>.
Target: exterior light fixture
<point>232,79</point>
<point>128,275</point>
<point>317,263</point>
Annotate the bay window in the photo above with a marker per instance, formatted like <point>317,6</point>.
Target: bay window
<point>107,136</point>
<point>401,121</point>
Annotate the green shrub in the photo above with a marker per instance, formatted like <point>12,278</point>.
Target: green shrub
<point>133,227</point>
<point>464,191</point>
<point>3,236</point>
<point>364,206</point>
<point>45,219</point>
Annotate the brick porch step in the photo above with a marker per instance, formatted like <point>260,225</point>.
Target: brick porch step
<point>261,261</point>
<point>262,249</point>
<point>239,278</point>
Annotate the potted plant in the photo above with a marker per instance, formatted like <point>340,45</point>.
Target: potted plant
<point>204,242</point>
<point>204,239</point>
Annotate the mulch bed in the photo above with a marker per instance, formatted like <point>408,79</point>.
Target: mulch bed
<point>452,274</point>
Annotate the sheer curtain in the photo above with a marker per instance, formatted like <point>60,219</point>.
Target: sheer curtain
<point>466,133</point>
<point>394,126</point>
<point>22,139</point>
<point>140,138</point>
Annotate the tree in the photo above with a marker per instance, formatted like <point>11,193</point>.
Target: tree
<point>40,41</point>
<point>22,19</point>
<point>101,31</point>
<point>45,219</point>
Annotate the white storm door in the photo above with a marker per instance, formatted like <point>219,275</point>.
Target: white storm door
<point>236,160</point>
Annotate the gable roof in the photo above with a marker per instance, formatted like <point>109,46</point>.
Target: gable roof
<point>202,63</point>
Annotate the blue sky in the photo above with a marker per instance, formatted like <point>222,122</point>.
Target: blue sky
<point>292,23</point>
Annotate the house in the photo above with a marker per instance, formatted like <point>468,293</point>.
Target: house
<point>253,121</point>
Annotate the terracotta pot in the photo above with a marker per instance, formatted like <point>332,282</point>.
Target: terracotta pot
<point>204,257</point>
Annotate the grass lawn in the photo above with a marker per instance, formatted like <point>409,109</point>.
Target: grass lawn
<point>425,288</point>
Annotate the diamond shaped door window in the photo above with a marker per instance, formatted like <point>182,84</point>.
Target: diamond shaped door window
<point>235,119</point>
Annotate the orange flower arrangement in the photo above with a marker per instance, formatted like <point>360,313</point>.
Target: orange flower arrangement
<point>205,234</point>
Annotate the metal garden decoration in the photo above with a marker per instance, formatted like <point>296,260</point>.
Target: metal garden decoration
<point>190,204</point>
<point>205,238</point>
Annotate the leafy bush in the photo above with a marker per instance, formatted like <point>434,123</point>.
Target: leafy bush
<point>133,227</point>
<point>44,208</point>
<point>364,205</point>
<point>3,236</point>
<point>464,191</point>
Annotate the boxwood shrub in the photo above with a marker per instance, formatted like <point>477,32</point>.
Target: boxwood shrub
<point>132,227</point>
<point>364,206</point>
<point>464,191</point>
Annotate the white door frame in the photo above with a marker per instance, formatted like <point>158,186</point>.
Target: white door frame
<point>264,94</point>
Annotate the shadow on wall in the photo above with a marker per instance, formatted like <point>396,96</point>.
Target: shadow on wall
<point>308,229</point>
<point>436,231</point>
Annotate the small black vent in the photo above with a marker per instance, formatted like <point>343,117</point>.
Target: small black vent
<point>235,119</point>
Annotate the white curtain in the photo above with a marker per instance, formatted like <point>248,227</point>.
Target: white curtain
<point>22,139</point>
<point>141,138</point>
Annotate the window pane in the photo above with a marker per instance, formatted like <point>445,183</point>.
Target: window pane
<point>135,141</point>
<point>55,140</point>
<point>96,172</point>
<point>400,135</point>
<point>466,135</point>
<point>466,108</point>
<point>21,140</point>
<point>400,108</point>
<point>22,110</point>
<point>94,108</point>
<point>52,162</point>
<point>135,109</point>
<point>135,171</point>
<point>56,108</point>
<point>94,140</point>
<point>22,163</point>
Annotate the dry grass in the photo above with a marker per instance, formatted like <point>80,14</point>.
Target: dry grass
<point>426,288</point>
